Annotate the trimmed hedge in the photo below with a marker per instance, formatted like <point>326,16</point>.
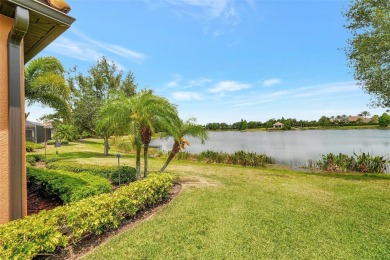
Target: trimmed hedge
<point>44,232</point>
<point>32,159</point>
<point>68,186</point>
<point>128,174</point>
<point>31,146</point>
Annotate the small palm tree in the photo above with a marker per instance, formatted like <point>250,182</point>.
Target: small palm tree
<point>365,114</point>
<point>45,83</point>
<point>152,112</point>
<point>65,132</point>
<point>141,115</point>
<point>187,128</point>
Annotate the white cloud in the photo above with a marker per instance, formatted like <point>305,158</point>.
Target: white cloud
<point>214,7</point>
<point>228,86</point>
<point>74,49</point>
<point>85,48</point>
<point>175,82</point>
<point>183,96</point>
<point>172,84</point>
<point>262,98</point>
<point>200,82</point>
<point>324,89</point>
<point>271,82</point>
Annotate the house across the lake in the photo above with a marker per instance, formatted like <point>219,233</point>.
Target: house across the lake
<point>35,132</point>
<point>361,119</point>
<point>278,125</point>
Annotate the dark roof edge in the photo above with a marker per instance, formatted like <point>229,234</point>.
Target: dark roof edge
<point>45,10</point>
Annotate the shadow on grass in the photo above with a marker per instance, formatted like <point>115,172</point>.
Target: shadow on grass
<point>76,155</point>
<point>85,155</point>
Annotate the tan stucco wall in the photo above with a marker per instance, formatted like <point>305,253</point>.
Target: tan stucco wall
<point>5,27</point>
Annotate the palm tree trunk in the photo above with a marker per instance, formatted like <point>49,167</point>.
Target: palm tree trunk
<point>138,163</point>
<point>146,136</point>
<point>175,150</point>
<point>146,148</point>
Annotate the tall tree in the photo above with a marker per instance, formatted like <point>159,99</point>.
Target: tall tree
<point>186,128</point>
<point>369,47</point>
<point>91,91</point>
<point>45,83</point>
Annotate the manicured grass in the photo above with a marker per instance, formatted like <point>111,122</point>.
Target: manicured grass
<point>232,212</point>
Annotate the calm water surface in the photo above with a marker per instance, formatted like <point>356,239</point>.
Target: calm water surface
<point>297,148</point>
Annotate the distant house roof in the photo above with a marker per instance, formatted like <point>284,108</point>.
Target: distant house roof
<point>356,118</point>
<point>33,124</point>
<point>278,124</point>
<point>48,20</point>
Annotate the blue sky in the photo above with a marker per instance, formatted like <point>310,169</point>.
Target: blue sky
<point>222,60</point>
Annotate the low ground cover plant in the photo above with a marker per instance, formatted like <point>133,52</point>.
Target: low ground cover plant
<point>69,187</point>
<point>365,163</point>
<point>127,173</point>
<point>238,158</point>
<point>44,232</point>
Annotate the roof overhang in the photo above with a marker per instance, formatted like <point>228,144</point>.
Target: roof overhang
<point>46,24</point>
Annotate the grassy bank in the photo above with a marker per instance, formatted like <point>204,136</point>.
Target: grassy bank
<point>232,212</point>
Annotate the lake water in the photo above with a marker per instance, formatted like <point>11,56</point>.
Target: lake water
<point>295,148</point>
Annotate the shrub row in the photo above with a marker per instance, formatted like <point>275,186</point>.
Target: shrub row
<point>68,186</point>
<point>127,174</point>
<point>44,232</point>
<point>53,142</point>
<point>357,163</point>
<point>239,158</point>
<point>32,159</point>
<point>31,146</point>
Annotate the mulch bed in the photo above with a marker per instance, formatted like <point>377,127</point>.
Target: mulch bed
<point>89,242</point>
<point>37,200</point>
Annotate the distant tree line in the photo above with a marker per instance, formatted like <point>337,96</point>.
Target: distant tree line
<point>323,121</point>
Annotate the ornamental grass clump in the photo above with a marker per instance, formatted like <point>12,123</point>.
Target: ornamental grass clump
<point>238,158</point>
<point>43,233</point>
<point>364,163</point>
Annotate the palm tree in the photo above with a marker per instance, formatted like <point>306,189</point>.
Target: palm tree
<point>65,132</point>
<point>140,115</point>
<point>105,126</point>
<point>152,112</point>
<point>119,112</point>
<point>187,128</point>
<point>45,83</point>
<point>365,114</point>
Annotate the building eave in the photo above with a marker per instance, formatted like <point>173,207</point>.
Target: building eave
<point>46,24</point>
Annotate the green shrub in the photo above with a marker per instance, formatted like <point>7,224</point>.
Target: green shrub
<point>356,163</point>
<point>32,159</point>
<point>68,186</point>
<point>31,146</point>
<point>51,142</point>
<point>128,174</point>
<point>44,232</point>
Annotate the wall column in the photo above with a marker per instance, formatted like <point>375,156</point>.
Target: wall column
<point>16,114</point>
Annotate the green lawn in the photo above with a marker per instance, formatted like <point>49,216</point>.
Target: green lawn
<point>231,212</point>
